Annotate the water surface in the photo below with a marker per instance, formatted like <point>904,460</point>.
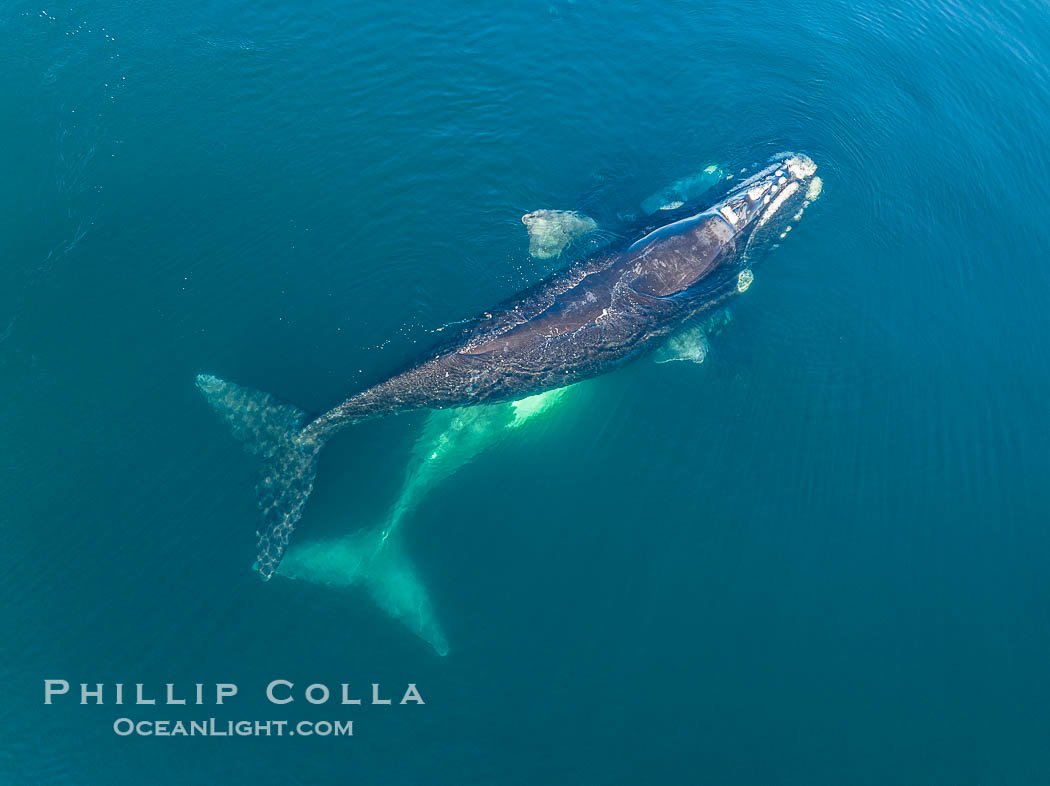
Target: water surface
<point>818,557</point>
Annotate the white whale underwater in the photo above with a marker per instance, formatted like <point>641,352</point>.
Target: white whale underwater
<point>374,558</point>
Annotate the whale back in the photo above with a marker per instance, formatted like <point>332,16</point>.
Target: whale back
<point>678,256</point>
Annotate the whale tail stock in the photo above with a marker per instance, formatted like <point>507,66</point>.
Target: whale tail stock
<point>273,430</point>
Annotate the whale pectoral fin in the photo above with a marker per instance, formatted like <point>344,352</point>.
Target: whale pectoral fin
<point>552,231</point>
<point>690,345</point>
<point>682,191</point>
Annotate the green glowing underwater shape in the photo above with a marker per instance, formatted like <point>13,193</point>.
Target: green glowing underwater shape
<point>374,558</point>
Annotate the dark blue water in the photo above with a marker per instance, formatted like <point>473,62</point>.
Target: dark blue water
<point>818,557</point>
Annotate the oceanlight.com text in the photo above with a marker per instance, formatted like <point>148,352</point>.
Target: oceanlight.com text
<point>210,727</point>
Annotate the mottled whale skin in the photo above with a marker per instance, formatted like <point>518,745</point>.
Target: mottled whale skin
<point>579,323</point>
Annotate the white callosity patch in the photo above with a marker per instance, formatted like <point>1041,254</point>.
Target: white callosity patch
<point>801,166</point>
<point>729,215</point>
<point>777,203</point>
<point>743,280</point>
<point>754,194</point>
<point>551,231</point>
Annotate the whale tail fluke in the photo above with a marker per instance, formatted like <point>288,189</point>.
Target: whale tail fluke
<point>273,430</point>
<point>375,560</point>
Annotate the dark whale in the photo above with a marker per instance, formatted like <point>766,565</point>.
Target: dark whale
<point>581,322</point>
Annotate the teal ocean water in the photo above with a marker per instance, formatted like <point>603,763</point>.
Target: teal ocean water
<point>820,556</point>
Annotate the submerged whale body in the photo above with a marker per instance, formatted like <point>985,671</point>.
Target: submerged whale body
<point>579,323</point>
<point>375,558</point>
